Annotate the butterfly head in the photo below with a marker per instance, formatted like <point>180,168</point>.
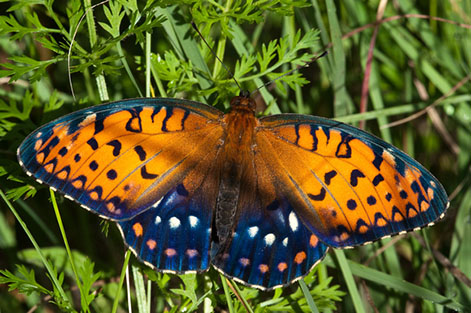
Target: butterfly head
<point>243,102</point>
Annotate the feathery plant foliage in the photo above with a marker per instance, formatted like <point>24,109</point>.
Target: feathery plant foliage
<point>125,48</point>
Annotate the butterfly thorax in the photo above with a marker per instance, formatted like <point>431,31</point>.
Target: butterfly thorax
<point>237,154</point>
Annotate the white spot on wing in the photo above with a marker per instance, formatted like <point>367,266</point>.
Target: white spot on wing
<point>285,242</point>
<point>253,231</point>
<point>174,222</point>
<point>193,221</point>
<point>293,221</point>
<point>157,220</point>
<point>88,120</point>
<point>269,239</point>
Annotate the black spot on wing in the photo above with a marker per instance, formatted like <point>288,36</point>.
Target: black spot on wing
<point>75,137</point>
<point>354,177</point>
<point>99,126</point>
<point>146,175</point>
<point>415,187</point>
<point>371,200</point>
<point>93,165</point>
<point>398,181</point>
<point>318,197</point>
<point>403,194</point>
<point>63,151</point>
<point>111,174</point>
<point>328,177</point>
<point>116,144</point>
<point>92,143</point>
<point>378,178</point>
<point>351,204</point>
<point>377,161</point>
<point>140,152</point>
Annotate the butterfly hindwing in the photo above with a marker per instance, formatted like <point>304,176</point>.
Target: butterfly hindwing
<point>348,186</point>
<point>175,233</point>
<point>269,245</point>
<point>118,159</point>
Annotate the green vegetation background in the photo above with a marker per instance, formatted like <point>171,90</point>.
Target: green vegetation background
<point>123,49</point>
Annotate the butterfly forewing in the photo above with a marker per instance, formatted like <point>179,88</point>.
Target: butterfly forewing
<point>348,186</point>
<point>119,159</point>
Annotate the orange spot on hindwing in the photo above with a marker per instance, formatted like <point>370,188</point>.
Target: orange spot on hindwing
<point>263,268</point>
<point>170,252</point>
<point>151,244</point>
<point>282,266</point>
<point>138,231</point>
<point>300,257</point>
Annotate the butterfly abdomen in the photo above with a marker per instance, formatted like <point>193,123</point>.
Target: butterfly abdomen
<point>237,156</point>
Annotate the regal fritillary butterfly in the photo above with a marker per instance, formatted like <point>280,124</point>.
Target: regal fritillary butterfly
<point>259,199</point>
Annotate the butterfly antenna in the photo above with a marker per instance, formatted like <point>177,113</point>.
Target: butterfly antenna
<point>314,59</point>
<point>214,53</point>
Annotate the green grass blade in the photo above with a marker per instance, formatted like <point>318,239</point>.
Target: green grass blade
<point>349,280</point>
<point>46,263</point>
<point>342,103</point>
<point>308,296</point>
<point>121,281</point>
<point>67,248</point>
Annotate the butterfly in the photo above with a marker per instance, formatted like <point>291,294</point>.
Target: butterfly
<point>259,199</point>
